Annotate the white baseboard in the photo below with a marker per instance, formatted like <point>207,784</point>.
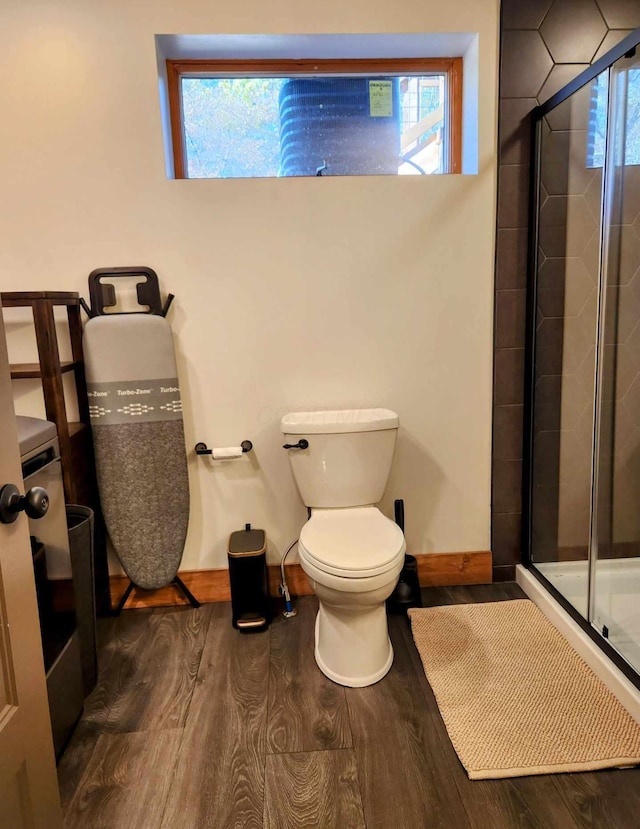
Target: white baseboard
<point>595,658</point>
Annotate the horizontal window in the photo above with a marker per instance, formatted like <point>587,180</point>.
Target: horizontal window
<point>239,119</point>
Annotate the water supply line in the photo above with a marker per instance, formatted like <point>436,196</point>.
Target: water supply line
<point>289,609</point>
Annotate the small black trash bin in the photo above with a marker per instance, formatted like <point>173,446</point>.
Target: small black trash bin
<point>80,527</point>
<point>248,578</point>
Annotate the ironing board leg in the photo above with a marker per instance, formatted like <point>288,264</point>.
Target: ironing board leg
<point>182,586</point>
<point>123,600</point>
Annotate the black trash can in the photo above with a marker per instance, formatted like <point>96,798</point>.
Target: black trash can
<point>80,527</point>
<point>250,603</point>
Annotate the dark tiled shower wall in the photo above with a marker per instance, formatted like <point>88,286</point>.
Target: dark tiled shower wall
<point>545,44</point>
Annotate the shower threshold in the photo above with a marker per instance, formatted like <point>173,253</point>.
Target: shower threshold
<point>620,685</point>
<point>616,608</point>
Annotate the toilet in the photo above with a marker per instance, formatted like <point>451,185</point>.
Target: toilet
<point>351,553</point>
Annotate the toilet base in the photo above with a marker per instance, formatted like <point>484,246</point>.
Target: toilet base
<point>352,645</point>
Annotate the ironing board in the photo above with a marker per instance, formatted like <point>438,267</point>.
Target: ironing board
<point>138,435</point>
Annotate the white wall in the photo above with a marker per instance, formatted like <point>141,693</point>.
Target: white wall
<point>321,292</point>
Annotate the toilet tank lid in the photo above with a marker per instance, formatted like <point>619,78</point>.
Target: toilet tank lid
<point>333,422</point>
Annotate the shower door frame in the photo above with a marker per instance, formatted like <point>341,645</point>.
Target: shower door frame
<point>628,44</point>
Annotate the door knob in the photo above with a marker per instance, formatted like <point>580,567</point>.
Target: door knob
<point>35,502</point>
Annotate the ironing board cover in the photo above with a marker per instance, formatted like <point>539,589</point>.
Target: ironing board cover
<point>138,438</point>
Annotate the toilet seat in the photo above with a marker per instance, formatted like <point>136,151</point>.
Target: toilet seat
<point>355,542</point>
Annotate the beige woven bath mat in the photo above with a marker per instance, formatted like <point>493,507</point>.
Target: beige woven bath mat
<point>515,697</point>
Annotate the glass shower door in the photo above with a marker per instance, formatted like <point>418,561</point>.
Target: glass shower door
<point>615,555</point>
<point>571,143</point>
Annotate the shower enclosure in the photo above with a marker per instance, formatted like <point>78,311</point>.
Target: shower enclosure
<point>582,453</point>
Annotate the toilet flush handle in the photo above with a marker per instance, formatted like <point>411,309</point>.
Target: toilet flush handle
<point>301,444</point>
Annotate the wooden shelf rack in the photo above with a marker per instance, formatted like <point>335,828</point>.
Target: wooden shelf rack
<point>76,446</point>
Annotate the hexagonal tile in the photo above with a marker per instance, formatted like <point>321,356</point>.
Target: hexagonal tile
<point>573,112</point>
<point>586,372</point>
<point>630,447</point>
<point>580,175</point>
<point>541,257</point>
<point>580,226</point>
<point>616,425</point>
<point>527,15</point>
<point>591,253</point>
<point>564,285</point>
<point>608,391</point>
<point>635,283</point>
<point>546,454</point>
<point>627,366</point>
<point>515,130</point>
<point>566,226</point>
<point>574,501</point>
<point>633,343</point>
<point>560,76</point>
<point>575,346</point>
<point>564,168</point>
<point>593,194</point>
<point>573,30</point>
<point>613,37</point>
<point>578,286</point>
<point>553,227</point>
<point>609,438</point>
<point>550,288</point>
<point>627,313</point>
<point>547,401</point>
<point>588,315</point>
<point>633,416</point>
<point>621,14</point>
<point>606,438</point>
<point>627,450</point>
<point>626,523</point>
<point>584,429</point>
<point>525,64</point>
<point>632,399</point>
<point>630,194</point>
<point>624,254</point>
<point>574,459</point>
<point>573,517</point>
<point>507,433</point>
<point>513,196</point>
<point>509,376</point>
<point>545,523</point>
<point>544,196</point>
<point>558,118</point>
<point>511,258</point>
<point>549,347</point>
<point>553,221</point>
<point>574,402</point>
<point>510,318</point>
<point>611,315</point>
<point>545,129</point>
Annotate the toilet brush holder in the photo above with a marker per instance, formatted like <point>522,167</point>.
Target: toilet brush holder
<point>407,592</point>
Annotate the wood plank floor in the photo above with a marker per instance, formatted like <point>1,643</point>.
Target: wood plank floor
<point>195,725</point>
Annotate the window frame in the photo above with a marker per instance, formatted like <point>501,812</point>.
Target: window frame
<point>451,67</point>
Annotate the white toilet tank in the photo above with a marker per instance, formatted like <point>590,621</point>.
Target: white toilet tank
<point>348,459</point>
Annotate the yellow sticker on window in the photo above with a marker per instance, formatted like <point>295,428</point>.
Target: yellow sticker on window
<point>380,99</point>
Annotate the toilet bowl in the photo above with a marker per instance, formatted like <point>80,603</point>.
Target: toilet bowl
<point>353,558</point>
<point>351,553</point>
